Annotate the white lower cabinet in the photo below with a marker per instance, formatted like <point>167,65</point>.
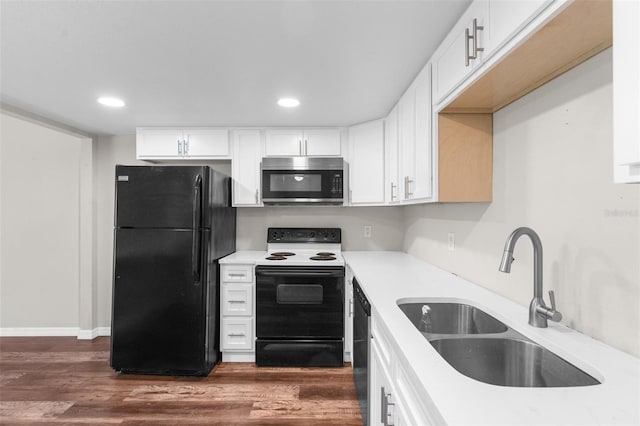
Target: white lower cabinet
<point>394,398</point>
<point>237,313</point>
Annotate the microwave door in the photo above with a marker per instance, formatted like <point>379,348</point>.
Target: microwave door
<point>285,186</point>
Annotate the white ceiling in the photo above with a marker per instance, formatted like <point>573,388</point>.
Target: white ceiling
<point>217,63</point>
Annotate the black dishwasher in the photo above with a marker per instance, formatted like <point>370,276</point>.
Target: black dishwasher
<point>361,342</point>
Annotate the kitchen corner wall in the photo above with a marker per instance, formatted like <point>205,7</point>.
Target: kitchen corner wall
<point>552,172</point>
<point>252,222</point>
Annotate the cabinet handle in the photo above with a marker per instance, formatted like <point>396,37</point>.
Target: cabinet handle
<point>476,28</point>
<point>350,307</point>
<point>385,416</point>
<point>179,147</point>
<point>256,196</point>
<point>409,187</point>
<point>300,146</point>
<point>306,147</point>
<point>406,187</point>
<point>467,37</point>
<point>237,301</point>
<point>392,194</point>
<point>474,38</point>
<point>186,147</point>
<point>236,335</point>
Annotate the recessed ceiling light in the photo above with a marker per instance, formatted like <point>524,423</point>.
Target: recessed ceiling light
<point>112,102</point>
<point>288,102</point>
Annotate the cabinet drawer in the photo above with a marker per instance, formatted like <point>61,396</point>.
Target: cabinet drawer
<point>237,334</point>
<point>237,273</point>
<point>237,299</point>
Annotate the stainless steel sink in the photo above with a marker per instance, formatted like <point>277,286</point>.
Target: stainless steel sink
<point>451,318</point>
<point>510,362</point>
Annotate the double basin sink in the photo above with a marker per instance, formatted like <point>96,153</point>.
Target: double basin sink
<point>485,349</point>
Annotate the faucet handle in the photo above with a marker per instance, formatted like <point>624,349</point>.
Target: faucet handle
<point>552,297</point>
<point>555,315</point>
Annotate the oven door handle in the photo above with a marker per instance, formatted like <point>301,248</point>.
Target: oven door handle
<point>288,272</point>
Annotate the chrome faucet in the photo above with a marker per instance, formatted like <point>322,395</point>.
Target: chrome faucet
<point>538,311</point>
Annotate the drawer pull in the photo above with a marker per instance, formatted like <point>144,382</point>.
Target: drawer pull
<point>237,301</point>
<point>236,334</point>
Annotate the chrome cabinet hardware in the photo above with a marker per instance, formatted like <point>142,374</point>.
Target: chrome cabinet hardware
<point>186,147</point>
<point>256,196</point>
<point>237,301</point>
<point>473,37</point>
<point>236,334</point>
<point>179,147</point>
<point>386,417</point>
<point>393,196</point>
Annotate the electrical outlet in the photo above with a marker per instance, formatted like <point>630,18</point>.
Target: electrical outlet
<point>451,241</point>
<point>368,230</point>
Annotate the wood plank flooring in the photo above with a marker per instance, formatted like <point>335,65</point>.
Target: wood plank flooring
<point>63,380</point>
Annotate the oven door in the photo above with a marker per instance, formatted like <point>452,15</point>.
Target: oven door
<point>302,186</point>
<point>299,316</point>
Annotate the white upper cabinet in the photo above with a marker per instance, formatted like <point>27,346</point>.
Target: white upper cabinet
<point>206,143</point>
<point>626,91</point>
<point>391,166</point>
<point>462,50</point>
<point>303,142</point>
<point>159,143</point>
<point>414,117</point>
<point>507,17</point>
<point>179,143</point>
<point>245,168</point>
<point>366,163</point>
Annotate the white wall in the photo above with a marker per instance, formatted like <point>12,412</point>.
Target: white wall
<point>39,228</point>
<point>553,173</point>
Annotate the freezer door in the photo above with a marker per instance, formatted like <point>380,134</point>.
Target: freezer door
<point>161,322</point>
<point>161,196</point>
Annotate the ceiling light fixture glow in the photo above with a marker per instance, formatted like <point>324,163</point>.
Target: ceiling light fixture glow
<point>288,102</point>
<point>111,102</point>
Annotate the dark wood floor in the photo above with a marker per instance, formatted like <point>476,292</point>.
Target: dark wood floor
<point>65,380</point>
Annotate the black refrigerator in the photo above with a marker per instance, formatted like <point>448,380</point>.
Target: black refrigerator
<point>172,224</point>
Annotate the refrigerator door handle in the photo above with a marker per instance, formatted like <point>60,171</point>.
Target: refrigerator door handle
<point>197,219</point>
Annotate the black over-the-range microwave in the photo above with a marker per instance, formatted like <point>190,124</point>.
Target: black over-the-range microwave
<point>302,180</point>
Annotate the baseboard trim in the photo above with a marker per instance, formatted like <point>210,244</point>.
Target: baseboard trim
<point>55,332</point>
<point>92,334</point>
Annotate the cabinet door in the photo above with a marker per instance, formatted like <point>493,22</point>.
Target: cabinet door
<point>451,58</point>
<point>383,408</point>
<point>159,143</point>
<point>407,121</point>
<point>508,17</point>
<point>283,142</point>
<point>366,163</point>
<point>206,143</point>
<point>322,142</point>
<point>237,334</point>
<point>391,148</point>
<point>245,167</point>
<point>422,186</point>
<point>626,91</point>
<point>237,299</point>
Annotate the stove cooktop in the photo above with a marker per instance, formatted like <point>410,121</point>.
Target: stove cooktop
<point>303,247</point>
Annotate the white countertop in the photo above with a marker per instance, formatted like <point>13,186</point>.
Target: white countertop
<point>388,276</point>
<point>248,257</point>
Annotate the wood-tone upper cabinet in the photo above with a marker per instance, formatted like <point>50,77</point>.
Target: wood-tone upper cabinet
<point>626,91</point>
<point>307,142</point>
<point>391,161</point>
<point>245,168</point>
<point>414,118</point>
<point>167,143</point>
<point>462,50</point>
<point>366,163</point>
